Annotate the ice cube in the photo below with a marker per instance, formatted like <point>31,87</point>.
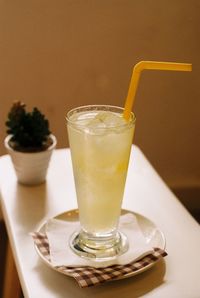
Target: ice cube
<point>110,119</point>
<point>97,122</point>
<point>115,120</point>
<point>103,120</point>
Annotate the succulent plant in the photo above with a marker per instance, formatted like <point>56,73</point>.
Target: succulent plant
<point>29,130</point>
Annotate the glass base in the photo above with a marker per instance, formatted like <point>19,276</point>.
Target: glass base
<point>104,247</point>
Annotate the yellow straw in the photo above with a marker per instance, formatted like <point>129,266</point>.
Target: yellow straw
<point>142,65</point>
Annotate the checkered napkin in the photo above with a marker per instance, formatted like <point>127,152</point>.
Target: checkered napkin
<point>87,276</point>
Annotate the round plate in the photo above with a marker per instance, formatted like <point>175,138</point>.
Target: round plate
<point>151,233</point>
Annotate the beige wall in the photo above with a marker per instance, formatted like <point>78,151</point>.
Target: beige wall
<point>60,54</point>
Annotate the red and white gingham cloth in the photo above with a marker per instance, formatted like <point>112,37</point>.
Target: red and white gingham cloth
<point>90,276</point>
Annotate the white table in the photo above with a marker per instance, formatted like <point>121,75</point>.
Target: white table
<point>25,208</point>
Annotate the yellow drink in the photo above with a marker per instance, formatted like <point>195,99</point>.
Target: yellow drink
<point>100,142</point>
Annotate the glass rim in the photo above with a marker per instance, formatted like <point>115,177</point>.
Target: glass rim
<point>99,107</point>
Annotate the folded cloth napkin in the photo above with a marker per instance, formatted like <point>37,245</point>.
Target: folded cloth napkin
<point>54,246</point>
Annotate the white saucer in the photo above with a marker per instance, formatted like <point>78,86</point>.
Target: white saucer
<point>151,233</point>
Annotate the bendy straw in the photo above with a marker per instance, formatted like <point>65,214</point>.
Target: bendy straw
<point>138,68</point>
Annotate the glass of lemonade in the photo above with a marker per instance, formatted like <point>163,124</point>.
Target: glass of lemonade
<point>100,142</point>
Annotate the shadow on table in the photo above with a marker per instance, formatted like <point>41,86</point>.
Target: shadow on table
<point>135,286</point>
<point>30,205</point>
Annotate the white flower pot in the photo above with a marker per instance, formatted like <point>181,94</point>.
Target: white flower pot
<point>30,167</point>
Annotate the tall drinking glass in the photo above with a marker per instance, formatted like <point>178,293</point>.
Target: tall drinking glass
<point>100,142</point>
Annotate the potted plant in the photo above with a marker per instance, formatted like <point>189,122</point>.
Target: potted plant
<point>29,143</point>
